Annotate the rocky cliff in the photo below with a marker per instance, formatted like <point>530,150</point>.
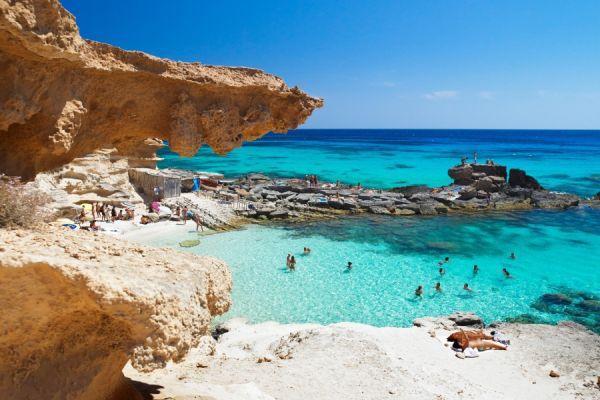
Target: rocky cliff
<point>76,306</point>
<point>62,96</point>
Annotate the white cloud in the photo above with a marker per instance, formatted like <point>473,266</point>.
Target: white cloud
<point>487,95</point>
<point>441,95</point>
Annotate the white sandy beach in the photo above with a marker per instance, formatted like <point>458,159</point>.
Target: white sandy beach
<point>355,361</point>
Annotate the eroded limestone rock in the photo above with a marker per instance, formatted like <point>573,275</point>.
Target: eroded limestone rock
<point>62,97</point>
<point>84,303</point>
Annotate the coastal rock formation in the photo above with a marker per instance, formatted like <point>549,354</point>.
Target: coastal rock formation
<point>82,304</point>
<point>518,178</point>
<point>96,177</point>
<point>62,97</point>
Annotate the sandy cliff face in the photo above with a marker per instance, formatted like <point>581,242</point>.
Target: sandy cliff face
<point>62,96</point>
<point>77,305</point>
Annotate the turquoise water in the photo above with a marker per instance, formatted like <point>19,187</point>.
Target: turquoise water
<point>561,160</point>
<point>557,252</point>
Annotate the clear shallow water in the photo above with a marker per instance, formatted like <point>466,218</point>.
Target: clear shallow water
<point>561,160</point>
<point>557,252</point>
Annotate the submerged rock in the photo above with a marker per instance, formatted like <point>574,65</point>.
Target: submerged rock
<point>462,318</point>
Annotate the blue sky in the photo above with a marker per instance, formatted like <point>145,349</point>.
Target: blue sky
<point>387,64</point>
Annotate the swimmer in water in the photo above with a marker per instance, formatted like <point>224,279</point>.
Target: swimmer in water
<point>506,273</point>
<point>438,287</point>
<point>467,288</point>
<point>441,271</point>
<point>349,266</point>
<point>512,256</point>
<point>293,263</point>
<point>475,269</point>
<point>447,259</point>
<point>419,291</point>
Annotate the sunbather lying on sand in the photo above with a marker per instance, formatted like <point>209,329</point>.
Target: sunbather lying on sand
<point>476,339</point>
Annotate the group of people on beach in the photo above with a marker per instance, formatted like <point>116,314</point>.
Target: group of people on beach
<point>105,213</point>
<point>466,287</point>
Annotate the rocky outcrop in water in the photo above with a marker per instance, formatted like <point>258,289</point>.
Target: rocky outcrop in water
<point>268,198</point>
<point>76,306</point>
<point>62,96</point>
<point>518,178</point>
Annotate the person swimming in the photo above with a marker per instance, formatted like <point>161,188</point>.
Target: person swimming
<point>438,287</point>
<point>306,251</point>
<point>441,271</point>
<point>349,266</point>
<point>447,259</point>
<point>475,269</point>
<point>512,256</point>
<point>419,291</point>
<point>467,288</point>
<point>506,273</point>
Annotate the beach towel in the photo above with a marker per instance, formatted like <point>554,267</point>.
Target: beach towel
<point>470,352</point>
<point>196,186</point>
<point>501,338</point>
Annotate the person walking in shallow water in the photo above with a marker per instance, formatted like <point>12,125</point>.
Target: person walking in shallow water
<point>349,266</point>
<point>438,287</point>
<point>293,263</point>
<point>287,260</point>
<point>475,269</point>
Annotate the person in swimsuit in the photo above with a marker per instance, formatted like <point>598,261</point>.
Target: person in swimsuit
<point>512,256</point>
<point>349,266</point>
<point>475,269</point>
<point>184,213</point>
<point>287,260</point>
<point>442,271</point>
<point>438,287</point>
<point>293,263</point>
<point>506,273</point>
<point>419,291</point>
<point>467,288</point>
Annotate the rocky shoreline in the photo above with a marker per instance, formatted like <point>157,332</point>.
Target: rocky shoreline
<point>475,188</point>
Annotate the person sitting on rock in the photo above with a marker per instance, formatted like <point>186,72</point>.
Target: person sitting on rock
<point>419,291</point>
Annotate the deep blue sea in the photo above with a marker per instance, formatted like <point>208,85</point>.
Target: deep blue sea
<point>558,252</point>
<point>561,160</point>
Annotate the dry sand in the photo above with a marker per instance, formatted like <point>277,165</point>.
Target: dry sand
<point>355,361</point>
